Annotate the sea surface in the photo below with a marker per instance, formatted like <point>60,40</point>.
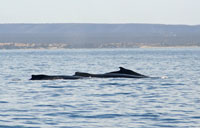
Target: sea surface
<point>171,100</point>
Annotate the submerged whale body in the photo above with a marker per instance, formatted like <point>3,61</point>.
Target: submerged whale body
<point>55,77</point>
<point>122,73</point>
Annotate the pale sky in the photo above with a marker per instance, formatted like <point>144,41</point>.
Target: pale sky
<point>100,11</point>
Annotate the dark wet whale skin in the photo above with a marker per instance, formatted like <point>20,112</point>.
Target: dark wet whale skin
<point>122,73</point>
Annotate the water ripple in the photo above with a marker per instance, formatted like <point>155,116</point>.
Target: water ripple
<point>168,101</point>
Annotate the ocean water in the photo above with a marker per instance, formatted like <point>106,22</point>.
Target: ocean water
<point>172,100</point>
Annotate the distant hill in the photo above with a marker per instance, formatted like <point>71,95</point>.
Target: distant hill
<point>101,35</point>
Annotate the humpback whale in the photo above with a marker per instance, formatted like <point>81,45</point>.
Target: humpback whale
<point>122,73</point>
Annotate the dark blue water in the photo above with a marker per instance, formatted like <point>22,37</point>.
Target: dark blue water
<point>170,101</point>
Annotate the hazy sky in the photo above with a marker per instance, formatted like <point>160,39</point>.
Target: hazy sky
<point>100,11</point>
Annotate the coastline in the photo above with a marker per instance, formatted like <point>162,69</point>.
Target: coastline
<point>63,48</point>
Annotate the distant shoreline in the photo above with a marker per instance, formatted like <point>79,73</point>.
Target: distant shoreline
<point>27,46</point>
<point>170,47</point>
<point>59,36</point>
<point>67,46</point>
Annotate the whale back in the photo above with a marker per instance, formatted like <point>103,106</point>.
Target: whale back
<point>83,74</point>
<point>38,77</point>
<point>54,77</point>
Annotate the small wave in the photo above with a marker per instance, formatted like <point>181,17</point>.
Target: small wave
<point>70,127</point>
<point>4,115</point>
<point>165,126</point>
<point>16,126</point>
<point>116,84</point>
<point>196,117</point>
<point>50,86</point>
<point>102,116</point>
<point>25,118</point>
<point>31,122</point>
<point>15,110</point>
<point>16,79</point>
<point>171,120</point>
<point>3,102</point>
<point>97,116</point>
<point>145,115</point>
<point>109,101</point>
<point>58,114</point>
<point>168,84</point>
<point>54,106</point>
<point>106,95</point>
<point>41,105</point>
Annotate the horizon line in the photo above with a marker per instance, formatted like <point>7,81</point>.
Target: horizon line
<point>100,23</point>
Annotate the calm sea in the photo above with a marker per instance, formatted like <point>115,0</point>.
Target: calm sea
<point>173,100</point>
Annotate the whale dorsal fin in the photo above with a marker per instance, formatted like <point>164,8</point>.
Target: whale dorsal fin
<point>127,71</point>
<point>121,68</point>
